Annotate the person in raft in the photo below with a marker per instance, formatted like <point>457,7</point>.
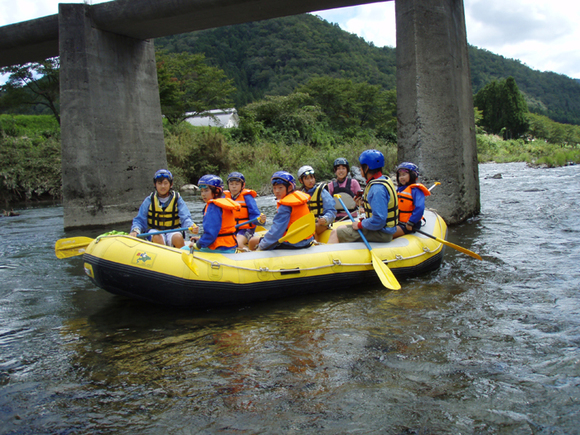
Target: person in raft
<point>379,201</point>
<point>219,223</point>
<point>163,210</point>
<point>249,209</point>
<point>411,199</point>
<point>321,204</point>
<point>292,205</point>
<point>344,184</point>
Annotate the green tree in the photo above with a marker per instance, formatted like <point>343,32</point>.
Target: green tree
<point>353,106</point>
<point>292,118</point>
<point>189,87</point>
<point>504,109</point>
<point>32,84</point>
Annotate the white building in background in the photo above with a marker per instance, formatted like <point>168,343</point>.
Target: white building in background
<point>226,118</point>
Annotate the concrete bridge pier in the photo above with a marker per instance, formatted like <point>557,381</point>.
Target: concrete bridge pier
<point>111,130</point>
<point>435,103</point>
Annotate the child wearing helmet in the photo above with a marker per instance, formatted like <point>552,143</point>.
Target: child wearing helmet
<point>219,223</point>
<point>249,209</point>
<point>379,201</point>
<point>321,204</point>
<point>292,205</point>
<point>411,199</point>
<point>344,184</point>
<point>163,210</point>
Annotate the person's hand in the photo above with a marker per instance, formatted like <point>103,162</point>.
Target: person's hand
<point>133,233</point>
<point>194,229</point>
<point>322,221</point>
<point>355,225</point>
<point>262,219</point>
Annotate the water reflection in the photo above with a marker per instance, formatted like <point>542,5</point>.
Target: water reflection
<point>475,347</point>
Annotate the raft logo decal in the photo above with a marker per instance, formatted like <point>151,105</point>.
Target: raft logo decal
<point>142,258</point>
<point>89,270</point>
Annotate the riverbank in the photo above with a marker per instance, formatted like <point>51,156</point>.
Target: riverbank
<point>30,156</point>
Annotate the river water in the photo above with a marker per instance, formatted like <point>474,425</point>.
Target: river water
<point>475,347</point>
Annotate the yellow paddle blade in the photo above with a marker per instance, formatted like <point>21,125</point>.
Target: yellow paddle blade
<point>384,273</point>
<point>300,230</point>
<point>189,261</point>
<point>260,229</point>
<point>71,247</point>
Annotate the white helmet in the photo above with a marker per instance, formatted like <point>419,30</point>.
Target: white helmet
<point>305,170</point>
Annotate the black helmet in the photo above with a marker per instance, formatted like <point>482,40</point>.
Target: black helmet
<point>341,161</point>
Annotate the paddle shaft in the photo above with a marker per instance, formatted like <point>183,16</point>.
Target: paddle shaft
<point>248,222</point>
<point>451,245</point>
<point>385,274</point>
<point>352,220</point>
<point>175,230</point>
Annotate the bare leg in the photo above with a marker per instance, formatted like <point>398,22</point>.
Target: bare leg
<point>242,241</point>
<point>399,232</point>
<point>177,240</point>
<point>333,238</point>
<point>254,242</point>
<point>158,238</point>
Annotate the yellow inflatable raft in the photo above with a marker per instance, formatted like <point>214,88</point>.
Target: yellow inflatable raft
<point>140,269</point>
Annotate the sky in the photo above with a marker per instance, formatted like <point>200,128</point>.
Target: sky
<point>544,35</point>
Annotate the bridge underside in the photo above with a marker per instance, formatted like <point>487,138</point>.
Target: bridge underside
<point>112,136</point>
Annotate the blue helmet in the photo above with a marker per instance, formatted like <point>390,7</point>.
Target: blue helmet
<point>374,159</point>
<point>161,174</point>
<point>210,181</point>
<point>283,177</point>
<point>237,176</point>
<point>341,161</point>
<point>411,167</point>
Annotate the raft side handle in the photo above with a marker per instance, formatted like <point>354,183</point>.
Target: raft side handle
<point>289,271</point>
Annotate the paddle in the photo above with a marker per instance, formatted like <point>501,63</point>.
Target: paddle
<point>385,274</point>
<point>71,247</point>
<point>437,183</point>
<point>248,222</point>
<point>162,232</point>
<point>451,245</point>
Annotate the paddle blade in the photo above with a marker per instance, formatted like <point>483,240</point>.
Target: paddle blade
<point>71,247</point>
<point>385,273</point>
<point>189,261</point>
<point>302,229</point>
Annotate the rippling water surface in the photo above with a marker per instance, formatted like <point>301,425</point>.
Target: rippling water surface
<point>476,347</point>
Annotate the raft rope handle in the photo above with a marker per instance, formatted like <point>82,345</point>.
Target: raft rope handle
<point>335,262</point>
<point>426,251</point>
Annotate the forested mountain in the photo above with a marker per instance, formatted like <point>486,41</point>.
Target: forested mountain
<point>273,57</point>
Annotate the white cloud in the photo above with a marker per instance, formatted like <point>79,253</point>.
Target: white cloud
<point>543,35</point>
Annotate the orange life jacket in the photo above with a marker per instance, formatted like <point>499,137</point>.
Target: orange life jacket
<point>299,202</point>
<point>227,235</point>
<point>406,205</point>
<point>242,215</point>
